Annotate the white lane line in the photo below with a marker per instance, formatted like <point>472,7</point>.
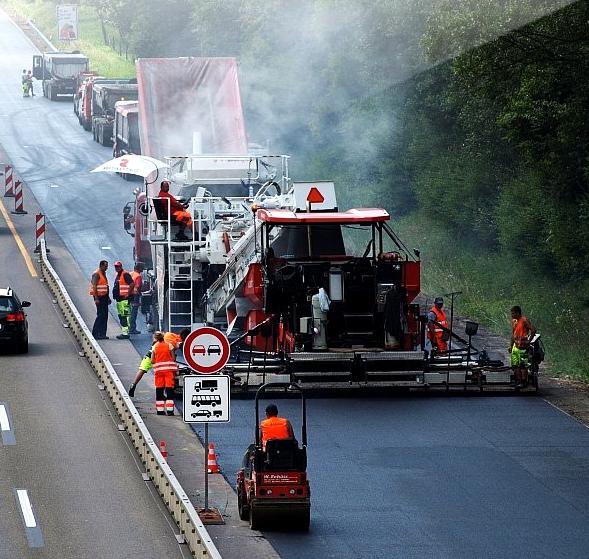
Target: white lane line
<point>4,423</point>
<point>27,509</point>
<point>106,248</point>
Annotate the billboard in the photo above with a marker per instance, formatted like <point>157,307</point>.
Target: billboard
<point>67,22</point>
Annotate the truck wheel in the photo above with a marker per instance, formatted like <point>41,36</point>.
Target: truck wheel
<point>303,520</point>
<point>255,520</point>
<point>104,137</point>
<point>244,510</point>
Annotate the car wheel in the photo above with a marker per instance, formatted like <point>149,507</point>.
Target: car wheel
<point>23,346</point>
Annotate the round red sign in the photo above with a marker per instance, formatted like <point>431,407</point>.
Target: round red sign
<point>206,350</point>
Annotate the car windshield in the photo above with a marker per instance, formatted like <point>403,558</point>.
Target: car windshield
<point>7,304</point>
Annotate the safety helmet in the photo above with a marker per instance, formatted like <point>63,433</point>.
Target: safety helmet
<point>118,263</point>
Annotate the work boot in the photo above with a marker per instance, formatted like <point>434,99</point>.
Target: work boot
<point>181,236</point>
<point>134,332</point>
<point>123,337</point>
<point>132,390</point>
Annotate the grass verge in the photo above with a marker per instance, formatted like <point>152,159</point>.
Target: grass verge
<point>491,283</point>
<point>103,59</point>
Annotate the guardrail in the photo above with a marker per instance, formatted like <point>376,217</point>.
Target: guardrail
<point>41,36</point>
<point>170,490</point>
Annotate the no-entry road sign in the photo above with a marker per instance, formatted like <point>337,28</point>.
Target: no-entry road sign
<point>206,350</point>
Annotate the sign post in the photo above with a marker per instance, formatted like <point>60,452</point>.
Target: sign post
<point>206,395</point>
<point>67,22</point>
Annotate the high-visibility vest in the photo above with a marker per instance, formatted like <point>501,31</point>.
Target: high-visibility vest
<point>135,275</point>
<point>124,287</point>
<point>441,319</point>
<point>274,428</point>
<point>174,339</point>
<point>162,358</point>
<point>520,332</point>
<point>101,288</point>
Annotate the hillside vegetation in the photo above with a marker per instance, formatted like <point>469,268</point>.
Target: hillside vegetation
<point>467,120</point>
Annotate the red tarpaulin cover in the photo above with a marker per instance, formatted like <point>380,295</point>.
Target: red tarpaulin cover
<point>182,96</point>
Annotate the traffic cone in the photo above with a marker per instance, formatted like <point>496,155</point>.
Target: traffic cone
<point>212,466</point>
<point>164,450</point>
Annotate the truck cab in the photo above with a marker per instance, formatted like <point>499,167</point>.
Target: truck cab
<point>59,72</point>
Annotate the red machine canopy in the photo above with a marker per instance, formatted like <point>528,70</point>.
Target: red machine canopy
<point>364,215</point>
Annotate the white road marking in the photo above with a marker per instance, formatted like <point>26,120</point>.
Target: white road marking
<point>106,248</point>
<point>53,186</point>
<point>4,423</point>
<point>27,510</point>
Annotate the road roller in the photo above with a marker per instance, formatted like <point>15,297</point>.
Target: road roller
<point>272,486</point>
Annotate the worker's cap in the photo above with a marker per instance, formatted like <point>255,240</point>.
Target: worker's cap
<point>118,263</point>
<point>437,300</point>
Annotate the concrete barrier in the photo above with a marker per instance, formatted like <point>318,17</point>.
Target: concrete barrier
<point>170,490</point>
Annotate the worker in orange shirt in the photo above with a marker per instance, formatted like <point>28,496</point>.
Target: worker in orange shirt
<point>123,290</point>
<point>163,359</point>
<point>522,332</point>
<point>99,290</point>
<point>135,299</point>
<point>274,427</point>
<point>146,363</point>
<point>177,210</point>
<point>436,318</point>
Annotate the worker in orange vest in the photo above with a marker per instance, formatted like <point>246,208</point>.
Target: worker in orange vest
<point>135,299</point>
<point>436,318</point>
<point>122,290</point>
<point>163,360</point>
<point>146,363</point>
<point>99,290</point>
<point>177,210</point>
<point>274,427</point>
<point>522,332</point>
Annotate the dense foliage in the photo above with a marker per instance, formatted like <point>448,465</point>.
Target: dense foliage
<point>471,116</point>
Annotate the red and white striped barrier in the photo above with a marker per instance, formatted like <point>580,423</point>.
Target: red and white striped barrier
<point>40,232</point>
<point>19,208</point>
<point>8,186</point>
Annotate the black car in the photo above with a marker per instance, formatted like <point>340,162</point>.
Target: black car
<point>13,320</point>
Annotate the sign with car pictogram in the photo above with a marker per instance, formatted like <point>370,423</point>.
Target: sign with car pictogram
<point>206,350</point>
<point>206,399</point>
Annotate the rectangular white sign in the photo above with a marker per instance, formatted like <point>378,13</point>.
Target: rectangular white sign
<point>206,399</point>
<point>67,22</point>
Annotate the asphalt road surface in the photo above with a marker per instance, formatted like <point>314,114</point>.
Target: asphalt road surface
<point>70,482</point>
<point>391,477</point>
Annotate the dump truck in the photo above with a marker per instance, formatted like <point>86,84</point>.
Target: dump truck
<point>185,105</point>
<point>105,94</point>
<point>79,88</point>
<point>58,72</point>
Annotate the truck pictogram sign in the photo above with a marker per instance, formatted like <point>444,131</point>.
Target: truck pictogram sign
<point>206,399</point>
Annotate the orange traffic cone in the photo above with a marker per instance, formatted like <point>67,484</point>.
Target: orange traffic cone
<point>212,466</point>
<point>164,450</point>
